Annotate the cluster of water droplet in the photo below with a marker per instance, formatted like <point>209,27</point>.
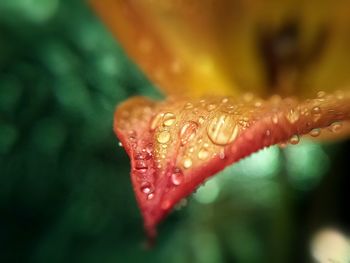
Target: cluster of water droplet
<point>199,130</point>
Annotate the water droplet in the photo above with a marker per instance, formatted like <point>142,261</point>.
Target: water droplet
<point>169,119</point>
<point>188,106</point>
<point>294,139</point>
<point>321,94</point>
<point>188,131</point>
<point>201,119</point>
<point>156,119</point>
<point>147,188</point>
<point>224,100</point>
<point>315,132</point>
<point>203,154</point>
<point>177,177</point>
<point>144,155</point>
<point>150,196</point>
<point>222,155</point>
<point>222,129</point>
<point>336,127</point>
<point>316,110</point>
<point>293,115</point>
<point>211,107</point>
<point>258,104</point>
<point>132,135</point>
<point>268,133</point>
<point>187,163</point>
<point>141,166</point>
<point>120,144</point>
<point>163,137</point>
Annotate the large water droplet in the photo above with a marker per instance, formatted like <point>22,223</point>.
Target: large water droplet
<point>222,129</point>
<point>163,137</point>
<point>169,119</point>
<point>203,154</point>
<point>177,177</point>
<point>188,131</point>
<point>147,188</point>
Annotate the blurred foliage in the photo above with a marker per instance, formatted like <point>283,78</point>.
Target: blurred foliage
<point>65,193</point>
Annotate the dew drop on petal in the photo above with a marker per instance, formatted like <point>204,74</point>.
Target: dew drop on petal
<point>315,132</point>
<point>201,119</point>
<point>156,119</point>
<point>187,163</point>
<point>203,154</point>
<point>169,119</point>
<point>224,100</point>
<point>150,196</point>
<point>321,94</point>
<point>141,166</point>
<point>147,188</point>
<point>293,116</point>
<point>336,127</point>
<point>274,119</point>
<point>120,144</point>
<point>211,107</point>
<point>294,139</point>
<point>177,176</point>
<point>222,129</point>
<point>188,106</point>
<point>188,131</point>
<point>316,110</point>
<point>163,137</point>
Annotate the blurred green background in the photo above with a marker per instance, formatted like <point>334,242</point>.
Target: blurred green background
<point>65,193</point>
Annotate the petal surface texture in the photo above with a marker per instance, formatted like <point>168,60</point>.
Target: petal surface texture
<point>228,47</point>
<point>175,145</point>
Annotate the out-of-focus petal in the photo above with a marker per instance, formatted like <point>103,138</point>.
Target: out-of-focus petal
<point>175,145</point>
<point>225,47</point>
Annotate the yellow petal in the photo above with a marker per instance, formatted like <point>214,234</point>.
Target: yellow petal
<point>225,47</point>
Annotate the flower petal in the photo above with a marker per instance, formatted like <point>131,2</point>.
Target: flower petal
<point>175,145</point>
<point>226,47</point>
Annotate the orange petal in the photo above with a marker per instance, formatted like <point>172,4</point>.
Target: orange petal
<point>176,144</point>
<point>225,47</point>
